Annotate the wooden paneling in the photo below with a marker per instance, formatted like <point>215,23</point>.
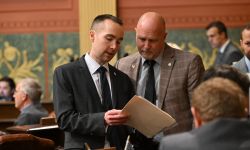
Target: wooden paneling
<point>186,14</point>
<point>38,16</point>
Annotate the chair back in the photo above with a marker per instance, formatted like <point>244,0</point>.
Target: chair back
<point>25,142</point>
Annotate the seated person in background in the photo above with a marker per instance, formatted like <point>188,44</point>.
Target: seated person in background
<point>7,88</point>
<point>228,72</point>
<point>219,111</point>
<point>27,100</point>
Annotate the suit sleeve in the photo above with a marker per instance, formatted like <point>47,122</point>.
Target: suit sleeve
<point>195,72</point>
<point>21,120</point>
<point>68,118</point>
<point>234,57</point>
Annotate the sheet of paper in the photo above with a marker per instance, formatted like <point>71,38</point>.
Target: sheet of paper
<point>146,117</point>
<point>44,127</point>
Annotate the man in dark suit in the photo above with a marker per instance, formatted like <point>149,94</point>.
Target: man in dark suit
<point>219,107</point>
<point>218,38</point>
<point>243,65</point>
<point>87,112</point>
<point>176,74</point>
<point>27,99</point>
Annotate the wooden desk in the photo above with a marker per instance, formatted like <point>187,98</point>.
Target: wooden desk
<point>4,123</point>
<point>8,110</point>
<point>49,132</point>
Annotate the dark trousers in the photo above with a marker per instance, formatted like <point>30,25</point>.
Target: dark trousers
<point>141,142</point>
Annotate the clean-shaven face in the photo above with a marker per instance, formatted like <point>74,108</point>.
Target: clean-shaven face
<point>215,38</point>
<point>106,41</point>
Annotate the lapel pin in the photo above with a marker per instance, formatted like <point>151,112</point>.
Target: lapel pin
<point>169,64</point>
<point>133,66</point>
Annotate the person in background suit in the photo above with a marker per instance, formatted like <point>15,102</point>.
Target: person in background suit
<point>7,89</point>
<point>218,38</point>
<point>27,99</point>
<point>243,65</point>
<point>176,74</point>
<point>219,109</point>
<point>80,107</point>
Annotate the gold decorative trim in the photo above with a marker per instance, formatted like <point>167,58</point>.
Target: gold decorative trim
<point>34,24</point>
<point>194,21</point>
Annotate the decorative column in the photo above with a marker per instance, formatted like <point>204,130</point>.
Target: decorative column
<point>89,9</point>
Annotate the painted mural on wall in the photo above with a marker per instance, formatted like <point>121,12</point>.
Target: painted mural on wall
<point>62,48</point>
<point>21,56</point>
<point>24,55</point>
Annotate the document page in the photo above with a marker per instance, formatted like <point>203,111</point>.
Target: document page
<point>146,117</point>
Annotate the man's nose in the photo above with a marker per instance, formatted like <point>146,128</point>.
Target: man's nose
<point>114,45</point>
<point>146,44</point>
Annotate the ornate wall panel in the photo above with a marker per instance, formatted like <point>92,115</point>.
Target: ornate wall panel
<point>187,14</point>
<point>38,16</point>
<point>186,20</point>
<point>36,36</point>
<point>39,35</point>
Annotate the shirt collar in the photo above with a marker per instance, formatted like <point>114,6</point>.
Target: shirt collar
<point>223,47</point>
<point>25,108</point>
<point>157,60</point>
<point>93,65</point>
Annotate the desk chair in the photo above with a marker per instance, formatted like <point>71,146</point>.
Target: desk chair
<point>25,142</point>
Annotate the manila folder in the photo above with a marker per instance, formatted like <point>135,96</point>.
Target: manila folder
<point>146,117</point>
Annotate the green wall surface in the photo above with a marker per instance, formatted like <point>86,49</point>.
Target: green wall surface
<point>24,55</point>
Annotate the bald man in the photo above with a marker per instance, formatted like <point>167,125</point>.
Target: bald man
<point>176,74</point>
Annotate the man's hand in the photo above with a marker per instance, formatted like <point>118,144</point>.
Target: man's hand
<point>115,117</point>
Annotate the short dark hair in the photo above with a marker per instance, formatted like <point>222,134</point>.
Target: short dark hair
<point>101,18</point>
<point>247,27</point>
<point>228,72</point>
<point>219,25</point>
<point>10,82</point>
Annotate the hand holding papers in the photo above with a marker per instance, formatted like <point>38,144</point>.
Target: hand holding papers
<point>146,117</point>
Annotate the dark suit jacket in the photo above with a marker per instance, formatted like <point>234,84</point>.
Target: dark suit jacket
<point>31,115</point>
<point>78,106</point>
<point>231,54</point>
<point>220,134</point>
<point>241,65</point>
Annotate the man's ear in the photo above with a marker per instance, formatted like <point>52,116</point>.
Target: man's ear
<point>241,44</point>
<point>13,91</point>
<point>92,35</point>
<point>24,96</point>
<point>197,117</point>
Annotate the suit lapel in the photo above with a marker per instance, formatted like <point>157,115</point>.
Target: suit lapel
<point>168,61</point>
<point>90,83</point>
<point>134,70</point>
<point>243,65</point>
